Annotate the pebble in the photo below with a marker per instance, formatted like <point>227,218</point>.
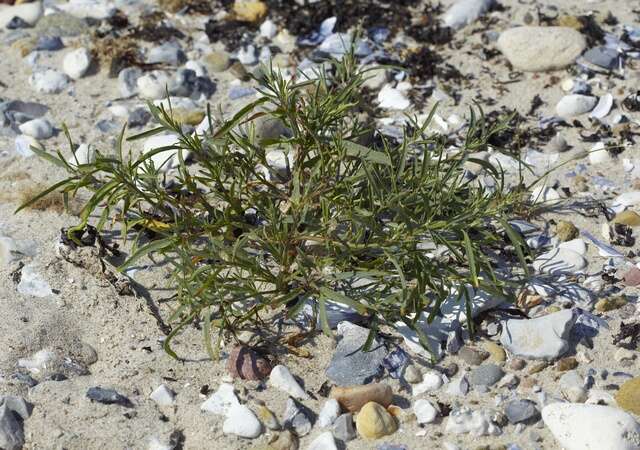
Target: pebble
<point>249,10</point>
<point>48,81</point>
<point>599,154</point>
<point>472,356</point>
<point>517,364</point>
<point>61,24</point>
<point>544,194</point>
<point>518,411</point>
<point>431,382</point>
<point>221,401</point>
<point>246,364</point>
<point>329,413</point>
<point>163,395</point>
<point>412,374</point>
<point>623,354</point>
<point>458,386</point>
<point>560,261</point>
<point>536,49</point>
<point>324,441</point>
<point>49,43</point>
<point>568,363</point>
<point>610,304</point>
<point>477,423</point>
<point>217,61</point>
<point>486,375</point>
<point>297,418</point>
<point>353,398</point>
<point>84,154</point>
<point>464,12</point>
<point>574,105</point>
<point>558,144</point>
<point>76,63</point>
<point>425,412</point>
<point>285,440</point>
<point>540,338</point>
<point>566,231</point>
<point>11,430</point>
<point>496,352</point>
<point>282,379</point>
<point>627,217</point>
<point>242,422</point>
<point>603,57</point>
<point>29,13</point>
<point>628,396</point>
<point>32,283</point>
<point>351,365</point>
<point>580,427</point>
<point>267,417</point>
<point>128,81</point>
<point>169,53</point>
<point>107,396</point>
<point>153,85</point>
<point>343,428</point>
<point>374,421</point>
<point>394,98</point>
<point>37,128</point>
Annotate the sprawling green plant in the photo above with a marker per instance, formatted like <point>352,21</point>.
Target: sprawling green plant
<point>343,219</point>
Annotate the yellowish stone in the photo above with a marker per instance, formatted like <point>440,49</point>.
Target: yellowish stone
<point>628,397</point>
<point>374,422</point>
<point>611,303</point>
<point>566,231</point>
<point>630,218</point>
<point>496,352</point>
<point>188,117</point>
<point>249,10</point>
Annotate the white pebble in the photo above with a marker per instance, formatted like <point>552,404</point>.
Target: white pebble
<point>221,401</point>
<point>268,29</point>
<point>76,63</point>
<point>242,422</point>
<point>84,154</point>
<point>37,129</point>
<point>329,413</point>
<point>324,441</point>
<point>282,379</point>
<point>153,85</point>
<point>425,412</point>
<point>163,396</point>
<point>48,81</point>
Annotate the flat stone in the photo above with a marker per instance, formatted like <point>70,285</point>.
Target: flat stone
<point>540,338</point>
<point>486,375</point>
<point>574,105</point>
<point>351,365</point>
<point>518,411</point>
<point>605,57</point>
<point>472,356</point>
<point>343,428</point>
<point>297,418</point>
<point>11,431</point>
<point>61,24</point>
<point>580,427</point>
<point>107,396</point>
<point>560,261</point>
<point>536,49</point>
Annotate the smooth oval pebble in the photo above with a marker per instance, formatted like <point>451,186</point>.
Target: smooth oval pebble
<point>37,128</point>
<point>352,398</point>
<point>628,396</point>
<point>536,49</point>
<point>575,104</point>
<point>596,427</point>
<point>374,421</point>
<point>464,12</point>
<point>76,63</point>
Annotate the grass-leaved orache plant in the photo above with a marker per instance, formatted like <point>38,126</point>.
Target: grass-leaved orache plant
<point>257,223</point>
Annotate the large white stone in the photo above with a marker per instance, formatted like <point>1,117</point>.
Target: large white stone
<point>574,105</point>
<point>425,412</point>
<point>560,261</point>
<point>591,427</point>
<point>282,379</point>
<point>76,63</point>
<point>540,338</point>
<point>37,128</point>
<point>536,49</point>
<point>221,401</point>
<point>464,12</point>
<point>242,422</point>
<point>29,12</point>
<point>324,441</point>
<point>153,85</point>
<point>431,381</point>
<point>48,81</point>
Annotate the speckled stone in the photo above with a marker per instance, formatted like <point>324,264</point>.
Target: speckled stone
<point>610,303</point>
<point>566,231</point>
<point>565,364</point>
<point>472,356</point>
<point>486,375</point>
<point>628,397</point>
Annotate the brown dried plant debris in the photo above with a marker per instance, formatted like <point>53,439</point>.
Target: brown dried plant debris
<point>54,202</point>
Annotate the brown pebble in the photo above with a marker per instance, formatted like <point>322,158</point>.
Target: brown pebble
<point>450,369</point>
<point>352,398</point>
<point>632,277</point>
<point>539,367</point>
<point>246,364</point>
<point>472,356</point>
<point>517,364</point>
<point>528,382</point>
<point>565,364</point>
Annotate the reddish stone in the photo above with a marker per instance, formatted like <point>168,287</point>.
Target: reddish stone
<point>632,277</point>
<point>247,364</point>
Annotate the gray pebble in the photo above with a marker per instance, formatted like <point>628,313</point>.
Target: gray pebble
<point>485,375</point>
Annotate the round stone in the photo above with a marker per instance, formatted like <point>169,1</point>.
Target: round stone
<point>374,422</point>
<point>628,396</point>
